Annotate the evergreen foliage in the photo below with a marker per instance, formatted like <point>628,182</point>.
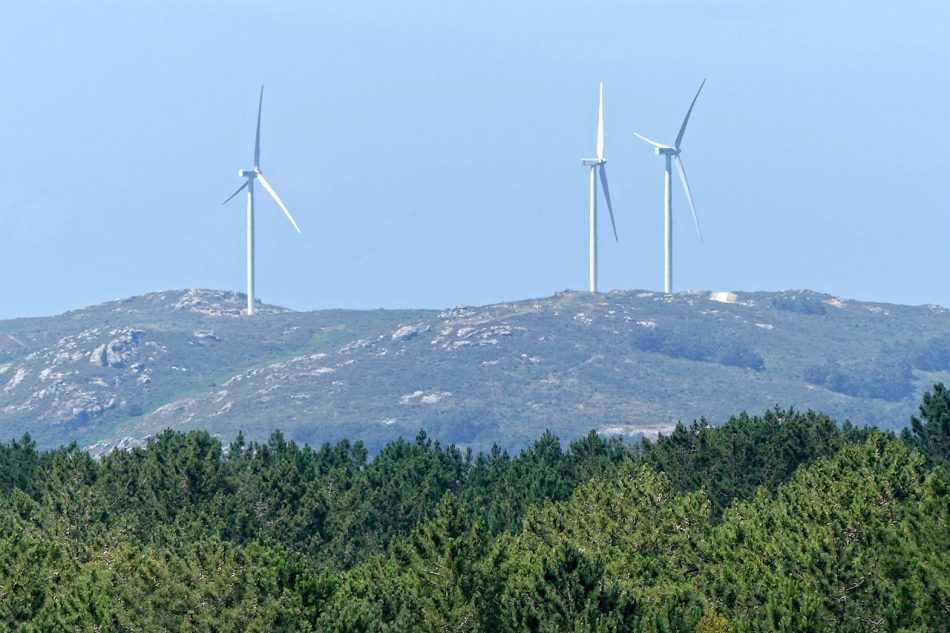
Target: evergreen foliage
<point>732,460</point>
<point>930,434</point>
<point>890,377</point>
<point>779,522</point>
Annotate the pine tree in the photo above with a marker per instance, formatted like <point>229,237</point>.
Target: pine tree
<point>930,434</point>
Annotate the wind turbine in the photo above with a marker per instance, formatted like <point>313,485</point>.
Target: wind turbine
<point>672,154</point>
<point>252,175</point>
<point>597,165</point>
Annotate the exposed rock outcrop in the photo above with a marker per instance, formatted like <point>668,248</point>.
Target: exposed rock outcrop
<point>119,351</point>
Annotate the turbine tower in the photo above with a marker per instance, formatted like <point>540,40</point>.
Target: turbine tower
<point>251,175</point>
<point>672,155</point>
<point>597,165</point>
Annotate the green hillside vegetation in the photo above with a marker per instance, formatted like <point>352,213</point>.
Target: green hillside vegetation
<point>779,522</point>
<point>627,363</point>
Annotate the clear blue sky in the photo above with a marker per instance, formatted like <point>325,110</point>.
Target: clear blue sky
<point>430,152</point>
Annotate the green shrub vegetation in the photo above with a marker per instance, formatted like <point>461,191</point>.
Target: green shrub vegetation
<point>779,522</point>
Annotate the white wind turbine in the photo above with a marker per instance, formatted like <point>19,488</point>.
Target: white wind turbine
<point>672,154</point>
<point>252,175</point>
<point>597,165</point>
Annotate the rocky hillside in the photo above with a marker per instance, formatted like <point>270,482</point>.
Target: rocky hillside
<point>624,363</point>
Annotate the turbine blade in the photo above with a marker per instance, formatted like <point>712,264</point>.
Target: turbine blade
<point>273,195</point>
<point>653,143</point>
<point>240,189</point>
<point>257,137</point>
<point>689,196</point>
<point>679,137</point>
<point>603,181</point>
<point>600,124</point>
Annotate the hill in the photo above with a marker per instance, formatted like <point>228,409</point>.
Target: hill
<point>623,363</point>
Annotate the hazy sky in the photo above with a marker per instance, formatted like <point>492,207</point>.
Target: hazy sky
<point>431,150</point>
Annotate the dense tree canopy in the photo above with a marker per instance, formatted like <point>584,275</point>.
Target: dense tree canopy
<point>780,522</point>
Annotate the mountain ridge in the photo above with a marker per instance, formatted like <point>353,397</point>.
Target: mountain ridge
<point>624,362</point>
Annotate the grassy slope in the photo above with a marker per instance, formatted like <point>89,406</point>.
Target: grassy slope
<point>627,362</point>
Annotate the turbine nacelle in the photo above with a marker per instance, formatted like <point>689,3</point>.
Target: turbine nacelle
<point>248,173</point>
<point>593,162</point>
<point>667,151</point>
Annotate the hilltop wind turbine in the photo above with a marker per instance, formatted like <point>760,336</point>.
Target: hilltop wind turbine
<point>597,165</point>
<point>252,175</point>
<point>672,154</point>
